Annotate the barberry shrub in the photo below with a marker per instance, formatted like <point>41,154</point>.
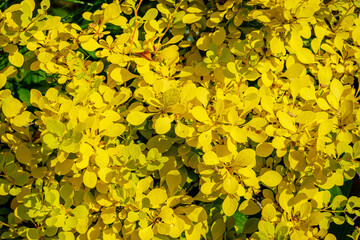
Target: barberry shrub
<point>176,122</point>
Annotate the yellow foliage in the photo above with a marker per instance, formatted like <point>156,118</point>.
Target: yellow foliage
<point>170,119</point>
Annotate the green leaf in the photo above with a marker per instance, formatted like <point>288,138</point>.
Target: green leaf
<point>55,127</point>
<point>240,220</point>
<point>33,233</point>
<point>52,197</point>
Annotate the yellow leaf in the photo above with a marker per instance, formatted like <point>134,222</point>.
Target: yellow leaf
<point>121,75</point>
<point>246,158</point>
<point>230,184</point>
<point>45,4</point>
<point>284,200</point>
<point>207,187</point>
<point>205,138</point>
<point>23,155</point>
<point>157,196</point>
<point>89,178</point>
<point>188,92</point>
<point>90,45</point>
<point>194,232</point>
<point>334,102</point>
<point>268,212</point>
<point>297,160</point>
<point>210,158</point>
<point>202,95</point>
<point>111,11</point>
<point>136,118</point>
<point>45,57</point>
<point>305,55</point>
<point>295,41</point>
<point>278,142</point>
<point>196,213</point>
<point>182,130</point>
<point>297,83</point>
<point>163,124</point>
<point>102,158</point>
<point>219,36</point>
<point>256,122</point>
<point>267,104</point>
<point>286,121</point>
<point>238,134</point>
<point>322,103</point>
<point>356,35</point>
<point>200,114</point>
<point>23,119</point>
<point>108,215</point>
<point>115,130</point>
<point>11,107</point>
<point>16,59</point>
<point>173,180</point>
<point>330,236</point>
<point>315,218</point>
<point>271,178</point>
<point>191,18</point>
<point>171,96</point>
<point>277,45</point>
<point>325,75</point>
<point>305,117</point>
<point>295,70</point>
<point>3,79</point>
<point>336,88</point>
<point>264,149</point>
<point>146,233</point>
<point>307,93</point>
<point>230,205</point>
<point>325,127</point>
<point>249,207</point>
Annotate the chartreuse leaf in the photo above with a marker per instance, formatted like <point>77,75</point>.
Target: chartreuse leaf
<point>55,127</point>
<point>89,178</point>
<point>325,75</point>
<point>136,118</point>
<point>33,233</point>
<point>357,149</point>
<point>52,197</point>
<point>121,75</point>
<point>23,154</point>
<point>230,184</point>
<point>11,107</point>
<point>264,149</point>
<point>210,158</point>
<point>271,178</point>
<point>173,179</point>
<point>171,97</point>
<point>66,236</point>
<point>230,205</point>
<point>157,196</point>
<point>200,114</point>
<point>16,59</point>
<point>163,124</point>
<point>249,207</point>
<point>287,121</point>
<point>3,80</point>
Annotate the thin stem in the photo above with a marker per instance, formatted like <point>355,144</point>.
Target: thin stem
<point>5,224</point>
<point>257,202</point>
<point>136,24</point>
<point>168,26</point>
<point>342,18</point>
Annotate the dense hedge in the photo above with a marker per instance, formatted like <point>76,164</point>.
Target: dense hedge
<point>190,119</point>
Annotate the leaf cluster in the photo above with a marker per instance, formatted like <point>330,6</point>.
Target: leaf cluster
<point>190,120</point>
